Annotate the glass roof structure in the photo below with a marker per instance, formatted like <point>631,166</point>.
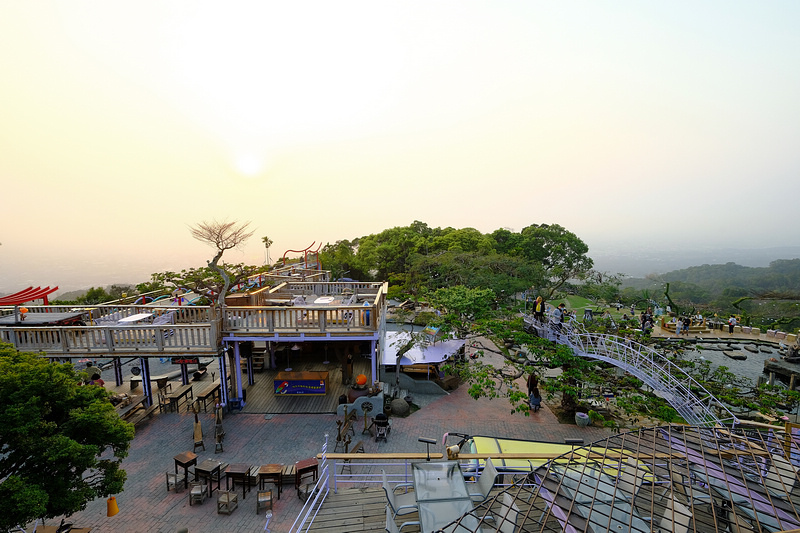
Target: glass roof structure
<point>671,478</point>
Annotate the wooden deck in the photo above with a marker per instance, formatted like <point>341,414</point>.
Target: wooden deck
<point>262,399</point>
<point>354,510</point>
<point>357,510</point>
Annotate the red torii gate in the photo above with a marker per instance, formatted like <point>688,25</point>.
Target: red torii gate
<point>28,295</point>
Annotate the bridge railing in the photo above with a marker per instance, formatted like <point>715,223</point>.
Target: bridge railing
<point>688,397</point>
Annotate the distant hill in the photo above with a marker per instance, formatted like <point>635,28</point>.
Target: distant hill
<point>781,276</point>
<point>71,295</point>
<point>639,262</point>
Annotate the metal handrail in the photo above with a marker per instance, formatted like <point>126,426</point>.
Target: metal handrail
<point>688,397</point>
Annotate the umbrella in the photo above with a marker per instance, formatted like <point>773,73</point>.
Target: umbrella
<point>198,428</point>
<point>219,432</point>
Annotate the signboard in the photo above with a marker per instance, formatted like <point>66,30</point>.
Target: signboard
<point>185,360</point>
<point>300,383</point>
<point>300,386</point>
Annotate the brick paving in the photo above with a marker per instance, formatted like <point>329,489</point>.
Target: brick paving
<point>145,504</point>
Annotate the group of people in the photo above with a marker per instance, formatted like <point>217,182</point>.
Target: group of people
<point>558,317</point>
<point>646,320</point>
<point>682,325</point>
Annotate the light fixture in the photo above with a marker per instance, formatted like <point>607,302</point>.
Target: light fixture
<point>295,348</point>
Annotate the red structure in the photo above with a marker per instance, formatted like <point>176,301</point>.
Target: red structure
<point>28,295</point>
<point>306,252</point>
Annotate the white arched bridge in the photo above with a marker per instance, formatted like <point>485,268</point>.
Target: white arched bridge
<point>688,397</point>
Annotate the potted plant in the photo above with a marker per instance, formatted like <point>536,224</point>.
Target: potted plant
<point>582,420</point>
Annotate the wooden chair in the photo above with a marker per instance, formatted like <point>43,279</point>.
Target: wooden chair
<point>227,502</point>
<point>197,492</point>
<point>175,481</point>
<point>163,403</point>
<point>263,500</point>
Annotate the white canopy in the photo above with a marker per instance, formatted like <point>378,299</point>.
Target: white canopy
<point>432,353</point>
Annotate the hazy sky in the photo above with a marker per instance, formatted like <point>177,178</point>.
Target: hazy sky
<point>122,123</point>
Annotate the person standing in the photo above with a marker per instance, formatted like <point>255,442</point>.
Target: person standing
<point>678,326</point>
<point>533,382</point>
<point>558,317</point>
<point>731,324</point>
<point>538,309</point>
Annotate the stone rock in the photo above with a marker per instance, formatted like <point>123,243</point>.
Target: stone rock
<point>400,407</point>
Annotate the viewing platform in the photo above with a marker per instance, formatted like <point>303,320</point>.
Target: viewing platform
<point>291,310</point>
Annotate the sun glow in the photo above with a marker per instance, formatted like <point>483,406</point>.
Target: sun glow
<point>249,165</point>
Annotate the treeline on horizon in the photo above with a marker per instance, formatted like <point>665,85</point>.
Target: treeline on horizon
<point>770,292</point>
<point>546,260</point>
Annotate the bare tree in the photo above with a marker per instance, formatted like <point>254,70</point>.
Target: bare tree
<point>222,236</point>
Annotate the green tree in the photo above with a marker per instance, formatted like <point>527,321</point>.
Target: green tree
<point>462,306</point>
<point>340,258</point>
<point>94,295</point>
<point>560,252</point>
<point>61,443</point>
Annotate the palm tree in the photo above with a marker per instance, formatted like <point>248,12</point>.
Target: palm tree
<point>267,243</point>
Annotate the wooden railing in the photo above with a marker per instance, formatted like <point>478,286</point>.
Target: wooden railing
<point>193,330</point>
<point>306,319</point>
<point>54,340</point>
<point>188,314</point>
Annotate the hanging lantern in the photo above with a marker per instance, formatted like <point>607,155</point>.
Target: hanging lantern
<point>112,506</point>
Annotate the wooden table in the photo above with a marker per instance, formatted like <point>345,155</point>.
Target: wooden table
<point>238,472</point>
<point>303,467</point>
<point>125,411</point>
<point>185,460</point>
<point>270,473</point>
<point>207,470</point>
<point>212,391</point>
<point>175,397</point>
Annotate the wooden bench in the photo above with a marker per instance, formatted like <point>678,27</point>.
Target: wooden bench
<point>358,448</point>
<point>141,414</point>
<point>288,474</point>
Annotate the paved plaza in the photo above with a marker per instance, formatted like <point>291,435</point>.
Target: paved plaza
<point>146,506</point>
